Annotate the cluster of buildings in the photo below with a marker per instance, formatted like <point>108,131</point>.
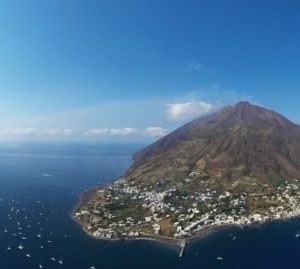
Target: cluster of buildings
<point>188,213</point>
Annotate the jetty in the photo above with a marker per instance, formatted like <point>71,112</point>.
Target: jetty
<point>182,247</point>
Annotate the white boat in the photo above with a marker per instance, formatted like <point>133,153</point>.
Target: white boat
<point>53,259</point>
<point>8,248</point>
<point>298,234</point>
<point>60,261</point>
<point>93,267</point>
<point>39,235</point>
<point>46,175</point>
<point>220,258</point>
<point>41,266</point>
<point>28,255</point>
<point>20,247</point>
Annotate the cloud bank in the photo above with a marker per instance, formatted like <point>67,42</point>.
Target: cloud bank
<point>17,132</point>
<point>97,132</point>
<point>149,131</point>
<point>111,132</point>
<point>155,131</point>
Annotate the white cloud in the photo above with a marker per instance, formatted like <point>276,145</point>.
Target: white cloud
<point>52,132</point>
<point>194,66</point>
<point>96,132</point>
<point>188,110</point>
<point>68,132</point>
<point>56,132</point>
<point>113,131</point>
<point>155,131</point>
<point>21,132</point>
<point>149,131</point>
<point>123,131</point>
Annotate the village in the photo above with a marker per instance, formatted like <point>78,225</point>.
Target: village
<point>126,210</point>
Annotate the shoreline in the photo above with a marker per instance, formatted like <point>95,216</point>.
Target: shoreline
<point>170,241</point>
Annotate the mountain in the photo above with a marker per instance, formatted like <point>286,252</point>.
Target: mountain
<point>238,166</point>
<point>240,141</point>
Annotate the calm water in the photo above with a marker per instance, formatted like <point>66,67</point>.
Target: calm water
<point>39,185</point>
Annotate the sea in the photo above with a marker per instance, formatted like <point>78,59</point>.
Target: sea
<point>40,184</point>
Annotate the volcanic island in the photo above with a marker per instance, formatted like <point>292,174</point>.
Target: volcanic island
<point>238,166</point>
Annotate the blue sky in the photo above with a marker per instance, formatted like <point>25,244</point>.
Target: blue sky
<point>113,69</point>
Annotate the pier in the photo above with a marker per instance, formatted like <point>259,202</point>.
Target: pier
<point>182,247</point>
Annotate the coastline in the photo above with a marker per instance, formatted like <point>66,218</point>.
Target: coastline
<point>170,241</point>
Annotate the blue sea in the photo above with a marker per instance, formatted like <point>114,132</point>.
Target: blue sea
<point>40,184</point>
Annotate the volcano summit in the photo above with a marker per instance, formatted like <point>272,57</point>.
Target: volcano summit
<point>240,165</point>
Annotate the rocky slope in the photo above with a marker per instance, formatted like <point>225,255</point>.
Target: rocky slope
<point>240,141</point>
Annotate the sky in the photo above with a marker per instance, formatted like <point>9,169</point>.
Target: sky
<point>132,70</point>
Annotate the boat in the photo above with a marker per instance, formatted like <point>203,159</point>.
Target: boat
<point>20,247</point>
<point>297,234</point>
<point>60,261</point>
<point>28,255</point>
<point>8,248</point>
<point>93,267</point>
<point>53,258</point>
<point>40,266</point>
<point>220,258</point>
